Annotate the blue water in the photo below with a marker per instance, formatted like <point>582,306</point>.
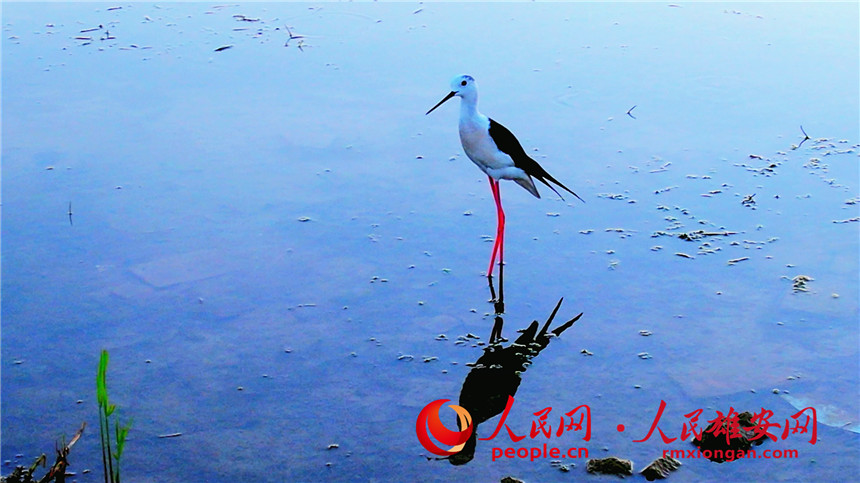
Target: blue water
<point>285,219</point>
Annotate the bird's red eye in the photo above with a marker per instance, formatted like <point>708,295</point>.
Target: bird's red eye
<point>463,83</point>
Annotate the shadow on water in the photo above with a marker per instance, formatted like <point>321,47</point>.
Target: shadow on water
<point>496,375</point>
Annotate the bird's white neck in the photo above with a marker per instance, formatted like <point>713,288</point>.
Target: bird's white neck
<point>469,107</point>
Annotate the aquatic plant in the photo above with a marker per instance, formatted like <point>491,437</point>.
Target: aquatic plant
<point>110,460</point>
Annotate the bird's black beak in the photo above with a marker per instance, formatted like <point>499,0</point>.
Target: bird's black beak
<point>450,95</point>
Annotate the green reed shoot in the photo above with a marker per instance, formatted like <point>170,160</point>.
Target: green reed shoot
<point>110,459</point>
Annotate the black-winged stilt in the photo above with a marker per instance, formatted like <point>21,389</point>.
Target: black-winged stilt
<point>497,152</point>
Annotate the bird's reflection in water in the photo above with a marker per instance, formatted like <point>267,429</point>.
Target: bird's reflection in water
<point>496,375</point>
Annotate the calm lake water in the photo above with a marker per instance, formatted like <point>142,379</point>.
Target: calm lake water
<point>272,238</point>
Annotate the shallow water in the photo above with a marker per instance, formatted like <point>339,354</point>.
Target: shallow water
<point>285,219</point>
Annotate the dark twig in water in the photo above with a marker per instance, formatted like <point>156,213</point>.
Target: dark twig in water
<point>294,37</point>
<point>805,138</point>
<point>630,112</point>
<point>223,47</point>
<point>70,214</point>
<point>57,472</point>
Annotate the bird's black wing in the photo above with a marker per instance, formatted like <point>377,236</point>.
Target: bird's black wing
<point>510,145</point>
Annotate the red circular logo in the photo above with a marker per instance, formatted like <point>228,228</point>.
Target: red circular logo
<point>429,418</point>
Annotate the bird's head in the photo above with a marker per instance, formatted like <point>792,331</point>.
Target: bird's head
<point>461,86</point>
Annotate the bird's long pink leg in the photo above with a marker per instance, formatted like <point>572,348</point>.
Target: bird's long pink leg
<point>496,241</point>
<point>498,246</point>
<point>501,222</point>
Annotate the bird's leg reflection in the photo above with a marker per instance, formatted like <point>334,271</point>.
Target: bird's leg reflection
<point>497,374</point>
<point>498,302</point>
<point>498,306</point>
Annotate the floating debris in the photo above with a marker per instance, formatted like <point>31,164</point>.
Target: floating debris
<point>586,352</point>
<point>223,47</point>
<point>664,167</point>
<point>405,357</point>
<point>613,196</point>
<point>660,468</point>
<point>610,466</point>
<point>430,359</point>
<point>695,235</point>
<point>333,446</point>
<point>736,260</point>
<point>643,355</point>
<point>170,435</point>
<point>799,283</point>
<point>848,220</point>
<point>644,333</point>
<point>684,255</point>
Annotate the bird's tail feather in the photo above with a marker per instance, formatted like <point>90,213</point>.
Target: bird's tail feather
<point>550,178</point>
<point>529,185</point>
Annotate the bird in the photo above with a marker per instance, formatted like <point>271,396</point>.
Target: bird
<point>496,152</point>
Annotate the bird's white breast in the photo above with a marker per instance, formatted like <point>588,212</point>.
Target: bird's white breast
<point>479,146</point>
